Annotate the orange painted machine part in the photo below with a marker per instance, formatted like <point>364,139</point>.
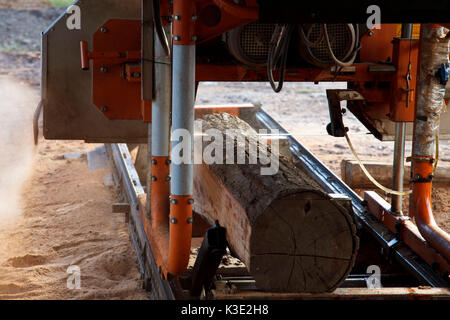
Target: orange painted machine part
<point>146,110</point>
<point>376,45</point>
<point>235,110</point>
<point>213,21</point>
<point>116,43</point>
<point>165,11</point>
<point>180,233</point>
<point>422,210</point>
<point>84,55</point>
<point>242,12</point>
<point>406,230</point>
<point>159,207</point>
<point>160,191</point>
<point>184,17</point>
<point>405,58</point>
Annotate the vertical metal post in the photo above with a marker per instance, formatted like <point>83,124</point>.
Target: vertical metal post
<point>398,166</point>
<point>399,148</point>
<point>160,129</point>
<point>182,138</point>
<point>183,116</point>
<point>160,135</point>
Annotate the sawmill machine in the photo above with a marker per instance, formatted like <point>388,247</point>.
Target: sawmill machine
<point>127,72</point>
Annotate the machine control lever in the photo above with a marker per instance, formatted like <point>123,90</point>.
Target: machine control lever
<point>336,127</point>
<point>442,73</point>
<point>208,259</point>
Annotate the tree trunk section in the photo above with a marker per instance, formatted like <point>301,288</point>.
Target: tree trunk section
<point>291,235</point>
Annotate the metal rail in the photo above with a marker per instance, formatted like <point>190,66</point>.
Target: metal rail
<point>127,180</point>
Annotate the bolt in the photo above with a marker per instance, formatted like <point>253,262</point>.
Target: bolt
<point>190,201</point>
<point>173,220</point>
<point>177,38</point>
<point>154,178</point>
<point>168,178</point>
<point>194,17</point>
<point>371,33</point>
<point>189,220</point>
<point>174,201</point>
<point>177,17</point>
<point>104,108</point>
<point>154,161</point>
<point>104,69</point>
<point>168,161</point>
<point>194,38</point>
<point>136,74</point>
<point>103,29</point>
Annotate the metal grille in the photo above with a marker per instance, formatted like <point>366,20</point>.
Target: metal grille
<point>340,39</point>
<point>255,40</point>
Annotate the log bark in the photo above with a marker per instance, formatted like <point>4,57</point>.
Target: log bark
<point>290,234</point>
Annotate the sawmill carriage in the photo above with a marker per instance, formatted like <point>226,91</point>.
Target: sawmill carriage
<point>126,74</point>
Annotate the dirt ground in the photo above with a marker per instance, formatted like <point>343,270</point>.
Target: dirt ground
<point>55,213</point>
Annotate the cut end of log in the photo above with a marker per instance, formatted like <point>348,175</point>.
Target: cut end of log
<point>302,243</point>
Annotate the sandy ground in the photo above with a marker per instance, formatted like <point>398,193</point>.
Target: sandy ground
<point>55,213</point>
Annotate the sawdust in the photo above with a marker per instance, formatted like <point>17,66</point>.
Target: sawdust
<point>55,213</point>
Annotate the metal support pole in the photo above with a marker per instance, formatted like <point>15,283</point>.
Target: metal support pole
<point>182,138</point>
<point>183,119</point>
<point>160,129</point>
<point>160,135</point>
<point>398,166</point>
<point>399,148</point>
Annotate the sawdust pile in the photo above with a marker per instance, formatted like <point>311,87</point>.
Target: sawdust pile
<point>55,214</point>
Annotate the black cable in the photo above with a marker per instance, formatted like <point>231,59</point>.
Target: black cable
<point>159,27</point>
<point>278,53</point>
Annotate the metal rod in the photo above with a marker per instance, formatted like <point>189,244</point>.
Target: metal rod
<point>399,147</point>
<point>398,166</point>
<point>183,119</point>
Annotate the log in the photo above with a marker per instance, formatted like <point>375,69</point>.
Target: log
<point>354,177</point>
<point>291,235</point>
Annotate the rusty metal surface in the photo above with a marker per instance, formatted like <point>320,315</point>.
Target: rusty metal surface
<point>69,112</point>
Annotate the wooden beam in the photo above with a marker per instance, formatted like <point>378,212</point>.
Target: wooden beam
<point>355,178</point>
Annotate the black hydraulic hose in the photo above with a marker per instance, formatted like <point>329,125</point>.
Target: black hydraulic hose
<point>159,27</point>
<point>279,50</point>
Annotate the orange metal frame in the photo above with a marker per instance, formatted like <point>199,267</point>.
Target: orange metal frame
<point>120,46</point>
<point>406,231</point>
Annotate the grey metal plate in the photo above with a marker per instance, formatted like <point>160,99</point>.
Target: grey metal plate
<point>387,128</point>
<point>67,90</point>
